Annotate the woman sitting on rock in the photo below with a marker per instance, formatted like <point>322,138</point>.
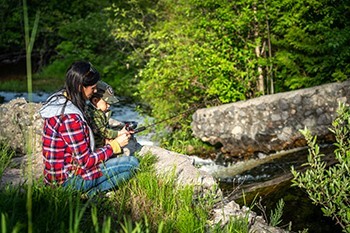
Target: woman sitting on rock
<point>70,157</point>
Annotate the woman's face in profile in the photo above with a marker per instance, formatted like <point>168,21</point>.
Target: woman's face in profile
<point>88,91</point>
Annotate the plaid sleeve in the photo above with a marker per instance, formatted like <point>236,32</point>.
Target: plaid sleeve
<point>76,136</point>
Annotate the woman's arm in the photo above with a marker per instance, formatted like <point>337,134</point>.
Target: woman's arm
<point>75,133</point>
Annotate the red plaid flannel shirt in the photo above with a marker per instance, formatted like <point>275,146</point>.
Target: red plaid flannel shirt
<point>66,150</point>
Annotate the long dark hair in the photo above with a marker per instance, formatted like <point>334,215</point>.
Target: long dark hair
<point>80,74</point>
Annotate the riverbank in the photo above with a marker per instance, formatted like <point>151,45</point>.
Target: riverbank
<point>26,120</point>
<point>22,117</point>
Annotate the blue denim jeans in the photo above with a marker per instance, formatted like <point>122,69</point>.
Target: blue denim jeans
<point>115,171</point>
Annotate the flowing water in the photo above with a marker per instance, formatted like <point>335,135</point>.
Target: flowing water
<point>266,176</point>
<point>266,180</point>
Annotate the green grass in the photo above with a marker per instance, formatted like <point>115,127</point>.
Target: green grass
<point>49,79</point>
<point>146,203</point>
<point>162,202</point>
<point>6,153</point>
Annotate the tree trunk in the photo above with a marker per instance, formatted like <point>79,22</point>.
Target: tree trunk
<point>260,81</point>
<point>269,69</point>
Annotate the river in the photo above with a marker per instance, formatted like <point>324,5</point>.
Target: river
<point>267,180</point>
<point>233,178</point>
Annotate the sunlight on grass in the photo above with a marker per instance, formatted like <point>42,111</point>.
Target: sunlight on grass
<point>146,203</point>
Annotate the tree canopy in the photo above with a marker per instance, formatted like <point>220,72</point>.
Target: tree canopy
<point>177,54</point>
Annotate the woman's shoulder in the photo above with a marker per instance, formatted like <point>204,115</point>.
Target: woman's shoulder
<point>63,117</point>
<point>74,116</point>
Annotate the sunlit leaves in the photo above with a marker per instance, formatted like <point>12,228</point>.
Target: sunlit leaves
<point>329,186</point>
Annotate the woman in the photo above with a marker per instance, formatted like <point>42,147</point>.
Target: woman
<point>70,158</point>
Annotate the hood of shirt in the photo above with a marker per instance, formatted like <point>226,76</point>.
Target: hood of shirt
<point>54,105</point>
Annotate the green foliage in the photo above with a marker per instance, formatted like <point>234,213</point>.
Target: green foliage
<point>130,23</point>
<point>329,186</point>
<point>175,55</point>
<point>311,40</point>
<point>276,215</point>
<point>111,36</point>
<point>54,73</point>
<point>194,60</point>
<point>89,38</point>
<point>10,38</point>
<point>54,14</point>
<point>191,64</point>
<point>208,46</point>
<point>226,29</point>
<point>235,225</point>
<point>6,153</point>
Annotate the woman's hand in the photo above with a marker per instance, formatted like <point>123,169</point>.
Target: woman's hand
<point>119,142</point>
<point>123,139</point>
<point>123,131</point>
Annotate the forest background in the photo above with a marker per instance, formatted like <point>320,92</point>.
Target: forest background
<point>176,55</point>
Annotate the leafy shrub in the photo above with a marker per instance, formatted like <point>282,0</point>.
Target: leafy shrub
<point>329,186</point>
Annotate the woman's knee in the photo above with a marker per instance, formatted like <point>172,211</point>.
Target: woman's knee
<point>134,161</point>
<point>124,162</point>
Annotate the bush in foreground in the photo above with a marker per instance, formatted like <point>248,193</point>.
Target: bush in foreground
<point>329,186</point>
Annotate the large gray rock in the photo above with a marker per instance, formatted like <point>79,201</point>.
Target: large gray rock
<point>271,123</point>
<point>21,128</point>
<point>21,125</point>
<point>169,162</point>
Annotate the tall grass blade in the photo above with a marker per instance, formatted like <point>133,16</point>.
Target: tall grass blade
<point>29,42</point>
<point>3,223</point>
